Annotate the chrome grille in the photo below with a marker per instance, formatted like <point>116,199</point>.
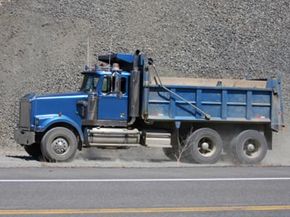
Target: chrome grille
<point>24,112</point>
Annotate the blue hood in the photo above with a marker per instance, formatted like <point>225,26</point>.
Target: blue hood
<point>63,95</point>
<point>60,107</point>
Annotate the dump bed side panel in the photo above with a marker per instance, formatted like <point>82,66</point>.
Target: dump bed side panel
<point>221,103</point>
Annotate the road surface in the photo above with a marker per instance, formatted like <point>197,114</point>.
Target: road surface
<point>219,191</point>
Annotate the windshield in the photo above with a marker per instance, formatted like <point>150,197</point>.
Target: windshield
<point>89,83</point>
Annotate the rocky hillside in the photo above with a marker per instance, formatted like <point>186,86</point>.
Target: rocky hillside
<point>43,42</point>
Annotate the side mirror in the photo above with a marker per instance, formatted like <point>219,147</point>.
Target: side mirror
<point>82,107</point>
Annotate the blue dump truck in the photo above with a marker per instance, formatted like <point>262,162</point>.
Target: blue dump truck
<point>123,102</point>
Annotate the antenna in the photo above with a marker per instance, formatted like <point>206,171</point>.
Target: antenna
<point>111,44</point>
<point>88,49</point>
<point>110,51</point>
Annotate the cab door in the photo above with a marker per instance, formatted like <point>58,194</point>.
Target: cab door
<point>113,99</point>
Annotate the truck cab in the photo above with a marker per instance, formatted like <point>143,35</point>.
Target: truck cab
<point>107,103</point>
<point>111,90</point>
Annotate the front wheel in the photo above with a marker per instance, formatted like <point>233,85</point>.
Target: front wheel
<point>59,144</point>
<point>249,147</point>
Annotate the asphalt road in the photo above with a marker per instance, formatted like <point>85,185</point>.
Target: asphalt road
<point>219,191</point>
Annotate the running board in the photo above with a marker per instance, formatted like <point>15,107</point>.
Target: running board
<point>157,139</point>
<point>115,145</point>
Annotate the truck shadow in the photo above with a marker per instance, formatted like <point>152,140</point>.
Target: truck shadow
<point>23,157</point>
<point>30,158</point>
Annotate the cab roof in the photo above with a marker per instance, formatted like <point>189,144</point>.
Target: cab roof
<point>102,72</point>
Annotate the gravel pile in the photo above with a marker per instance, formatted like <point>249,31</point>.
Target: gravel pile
<point>43,43</point>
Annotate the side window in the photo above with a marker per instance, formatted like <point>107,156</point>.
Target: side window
<point>113,85</point>
<point>106,87</point>
<point>123,85</point>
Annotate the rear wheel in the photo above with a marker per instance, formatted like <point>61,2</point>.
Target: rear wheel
<point>203,146</point>
<point>249,147</point>
<point>33,150</point>
<point>59,144</point>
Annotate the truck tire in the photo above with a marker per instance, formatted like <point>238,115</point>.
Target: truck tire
<point>249,147</point>
<point>59,144</point>
<point>33,150</point>
<point>204,146</point>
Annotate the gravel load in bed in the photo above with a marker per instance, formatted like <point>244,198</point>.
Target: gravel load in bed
<point>43,43</point>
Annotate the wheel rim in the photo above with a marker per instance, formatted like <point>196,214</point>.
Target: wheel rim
<point>60,146</point>
<point>206,147</point>
<point>252,148</point>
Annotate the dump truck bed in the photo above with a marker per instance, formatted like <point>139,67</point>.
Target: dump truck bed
<point>223,100</point>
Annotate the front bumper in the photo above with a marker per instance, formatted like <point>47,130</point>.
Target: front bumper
<point>23,137</point>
